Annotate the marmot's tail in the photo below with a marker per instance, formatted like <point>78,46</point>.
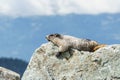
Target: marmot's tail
<point>99,46</point>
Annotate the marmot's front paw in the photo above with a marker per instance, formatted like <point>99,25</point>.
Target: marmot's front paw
<point>58,54</point>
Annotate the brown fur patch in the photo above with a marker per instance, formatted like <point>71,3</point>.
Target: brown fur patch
<point>99,46</point>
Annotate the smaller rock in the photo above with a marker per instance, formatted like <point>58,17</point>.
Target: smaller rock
<point>6,74</point>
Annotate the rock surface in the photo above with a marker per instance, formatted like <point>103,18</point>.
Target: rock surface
<point>103,64</point>
<point>6,74</point>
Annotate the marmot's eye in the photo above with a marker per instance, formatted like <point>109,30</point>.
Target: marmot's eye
<point>57,35</point>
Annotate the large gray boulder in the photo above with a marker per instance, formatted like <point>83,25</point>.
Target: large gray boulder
<point>103,64</point>
<point>6,74</point>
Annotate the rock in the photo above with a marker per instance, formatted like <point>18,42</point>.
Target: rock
<point>6,74</point>
<point>103,64</point>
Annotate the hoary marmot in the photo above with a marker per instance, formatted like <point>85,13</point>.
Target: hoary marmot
<point>66,42</point>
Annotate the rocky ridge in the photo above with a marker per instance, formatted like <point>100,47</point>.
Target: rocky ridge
<point>6,74</point>
<point>103,64</point>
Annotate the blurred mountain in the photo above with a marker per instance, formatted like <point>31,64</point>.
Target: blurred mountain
<point>16,65</point>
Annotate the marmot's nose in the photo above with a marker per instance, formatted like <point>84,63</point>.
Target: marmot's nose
<point>47,38</point>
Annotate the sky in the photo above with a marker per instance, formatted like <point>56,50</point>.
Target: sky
<point>25,23</point>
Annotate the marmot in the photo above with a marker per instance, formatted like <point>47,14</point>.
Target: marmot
<point>66,42</point>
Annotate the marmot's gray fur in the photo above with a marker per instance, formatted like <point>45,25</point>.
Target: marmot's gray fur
<point>65,42</point>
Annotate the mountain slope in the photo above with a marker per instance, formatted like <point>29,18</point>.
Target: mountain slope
<point>16,65</point>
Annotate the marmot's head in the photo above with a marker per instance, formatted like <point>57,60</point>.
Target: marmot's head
<point>53,37</point>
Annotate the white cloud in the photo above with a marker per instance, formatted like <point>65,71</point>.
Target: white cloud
<point>57,7</point>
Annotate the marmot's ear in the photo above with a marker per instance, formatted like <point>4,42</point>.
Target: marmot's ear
<point>51,35</point>
<point>58,35</point>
